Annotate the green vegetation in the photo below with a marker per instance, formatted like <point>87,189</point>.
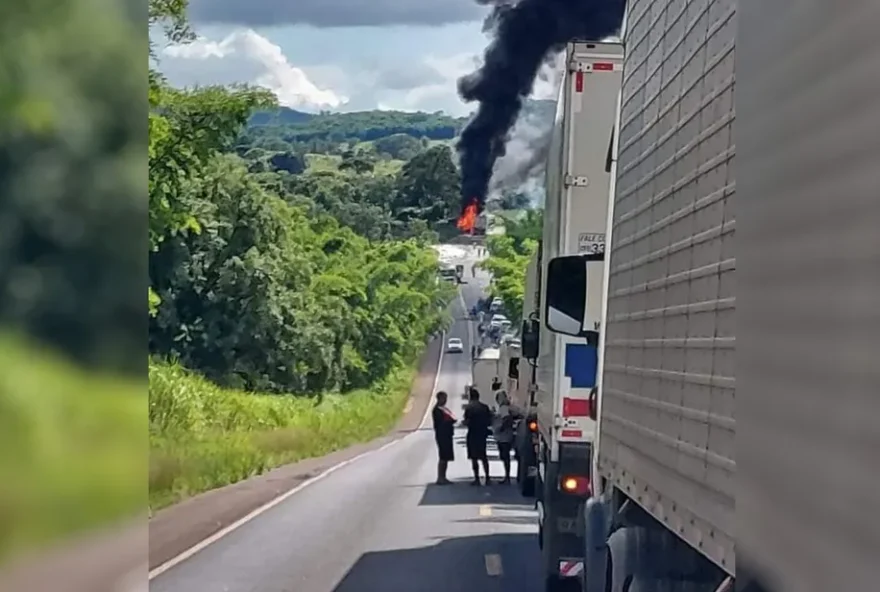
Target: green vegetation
<point>321,131</point>
<point>301,271</point>
<point>204,436</point>
<point>509,254</point>
<point>71,443</point>
<point>72,267</point>
<point>291,291</point>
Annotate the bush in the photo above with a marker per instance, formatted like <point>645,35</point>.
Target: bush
<point>72,438</point>
<point>203,436</point>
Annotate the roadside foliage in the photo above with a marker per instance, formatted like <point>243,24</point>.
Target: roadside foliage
<point>292,285</point>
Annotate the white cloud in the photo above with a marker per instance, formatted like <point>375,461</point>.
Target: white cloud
<point>247,57</point>
<point>376,76</point>
<point>438,92</point>
<point>414,83</point>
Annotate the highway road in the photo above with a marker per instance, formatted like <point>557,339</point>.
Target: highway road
<point>378,524</point>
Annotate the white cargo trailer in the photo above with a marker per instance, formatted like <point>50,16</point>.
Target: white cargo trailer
<point>486,368</point>
<point>578,181</point>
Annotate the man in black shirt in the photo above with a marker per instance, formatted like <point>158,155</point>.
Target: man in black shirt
<point>444,430</point>
<point>478,419</point>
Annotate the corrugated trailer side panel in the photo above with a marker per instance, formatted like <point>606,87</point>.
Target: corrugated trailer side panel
<point>668,427</point>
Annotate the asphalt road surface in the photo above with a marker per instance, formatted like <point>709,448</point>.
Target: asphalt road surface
<point>380,525</point>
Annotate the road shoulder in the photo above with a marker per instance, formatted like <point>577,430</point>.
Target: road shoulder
<point>177,528</point>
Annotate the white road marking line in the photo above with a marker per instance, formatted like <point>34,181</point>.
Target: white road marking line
<point>485,510</point>
<point>493,565</point>
<point>177,560</point>
<point>427,414</point>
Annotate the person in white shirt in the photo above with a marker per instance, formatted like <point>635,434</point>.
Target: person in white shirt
<point>503,429</point>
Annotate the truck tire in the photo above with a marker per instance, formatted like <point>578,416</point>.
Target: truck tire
<point>527,486</point>
<point>557,584</point>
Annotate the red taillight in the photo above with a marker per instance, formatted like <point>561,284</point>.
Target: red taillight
<point>577,407</point>
<point>575,484</point>
<point>605,66</point>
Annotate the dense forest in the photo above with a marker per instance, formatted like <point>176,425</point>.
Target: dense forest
<point>294,125</point>
<point>299,270</point>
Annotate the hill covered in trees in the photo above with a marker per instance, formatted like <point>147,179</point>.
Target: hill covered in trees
<point>270,128</point>
<point>396,133</point>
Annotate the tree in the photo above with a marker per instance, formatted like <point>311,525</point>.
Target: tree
<point>429,186</point>
<point>527,226</point>
<point>287,161</point>
<point>399,146</point>
<point>359,162</point>
<point>509,255</point>
<point>73,200</point>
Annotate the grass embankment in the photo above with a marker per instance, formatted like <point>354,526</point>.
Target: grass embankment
<point>203,436</point>
<point>73,448</point>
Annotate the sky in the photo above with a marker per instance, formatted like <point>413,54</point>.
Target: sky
<point>337,55</point>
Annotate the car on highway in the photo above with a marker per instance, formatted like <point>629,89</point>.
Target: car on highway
<point>454,346</point>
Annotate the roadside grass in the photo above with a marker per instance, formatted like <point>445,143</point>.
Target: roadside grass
<point>73,448</point>
<point>203,436</point>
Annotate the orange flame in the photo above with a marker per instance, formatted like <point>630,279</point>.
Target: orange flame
<point>468,218</point>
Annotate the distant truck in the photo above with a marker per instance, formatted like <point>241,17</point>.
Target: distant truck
<point>448,273</point>
<point>481,224</point>
<point>486,367</point>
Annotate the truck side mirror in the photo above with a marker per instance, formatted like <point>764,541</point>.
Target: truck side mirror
<point>529,339</point>
<point>566,297</point>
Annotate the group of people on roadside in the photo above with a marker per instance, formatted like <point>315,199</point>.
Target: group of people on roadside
<point>481,422</point>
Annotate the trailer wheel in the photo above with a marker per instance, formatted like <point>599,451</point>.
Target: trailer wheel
<point>527,486</point>
<point>559,584</point>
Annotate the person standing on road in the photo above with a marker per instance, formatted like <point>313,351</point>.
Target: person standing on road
<point>496,384</point>
<point>444,429</point>
<point>503,429</point>
<point>478,419</point>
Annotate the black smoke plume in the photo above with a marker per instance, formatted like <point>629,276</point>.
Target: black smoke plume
<point>524,35</point>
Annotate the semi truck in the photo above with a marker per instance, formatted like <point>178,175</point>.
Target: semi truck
<point>635,379</point>
<point>578,181</point>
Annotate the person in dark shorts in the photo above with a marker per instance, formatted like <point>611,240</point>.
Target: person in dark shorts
<point>478,419</point>
<point>444,429</point>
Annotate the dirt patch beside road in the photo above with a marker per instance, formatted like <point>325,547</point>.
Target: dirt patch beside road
<point>177,528</point>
